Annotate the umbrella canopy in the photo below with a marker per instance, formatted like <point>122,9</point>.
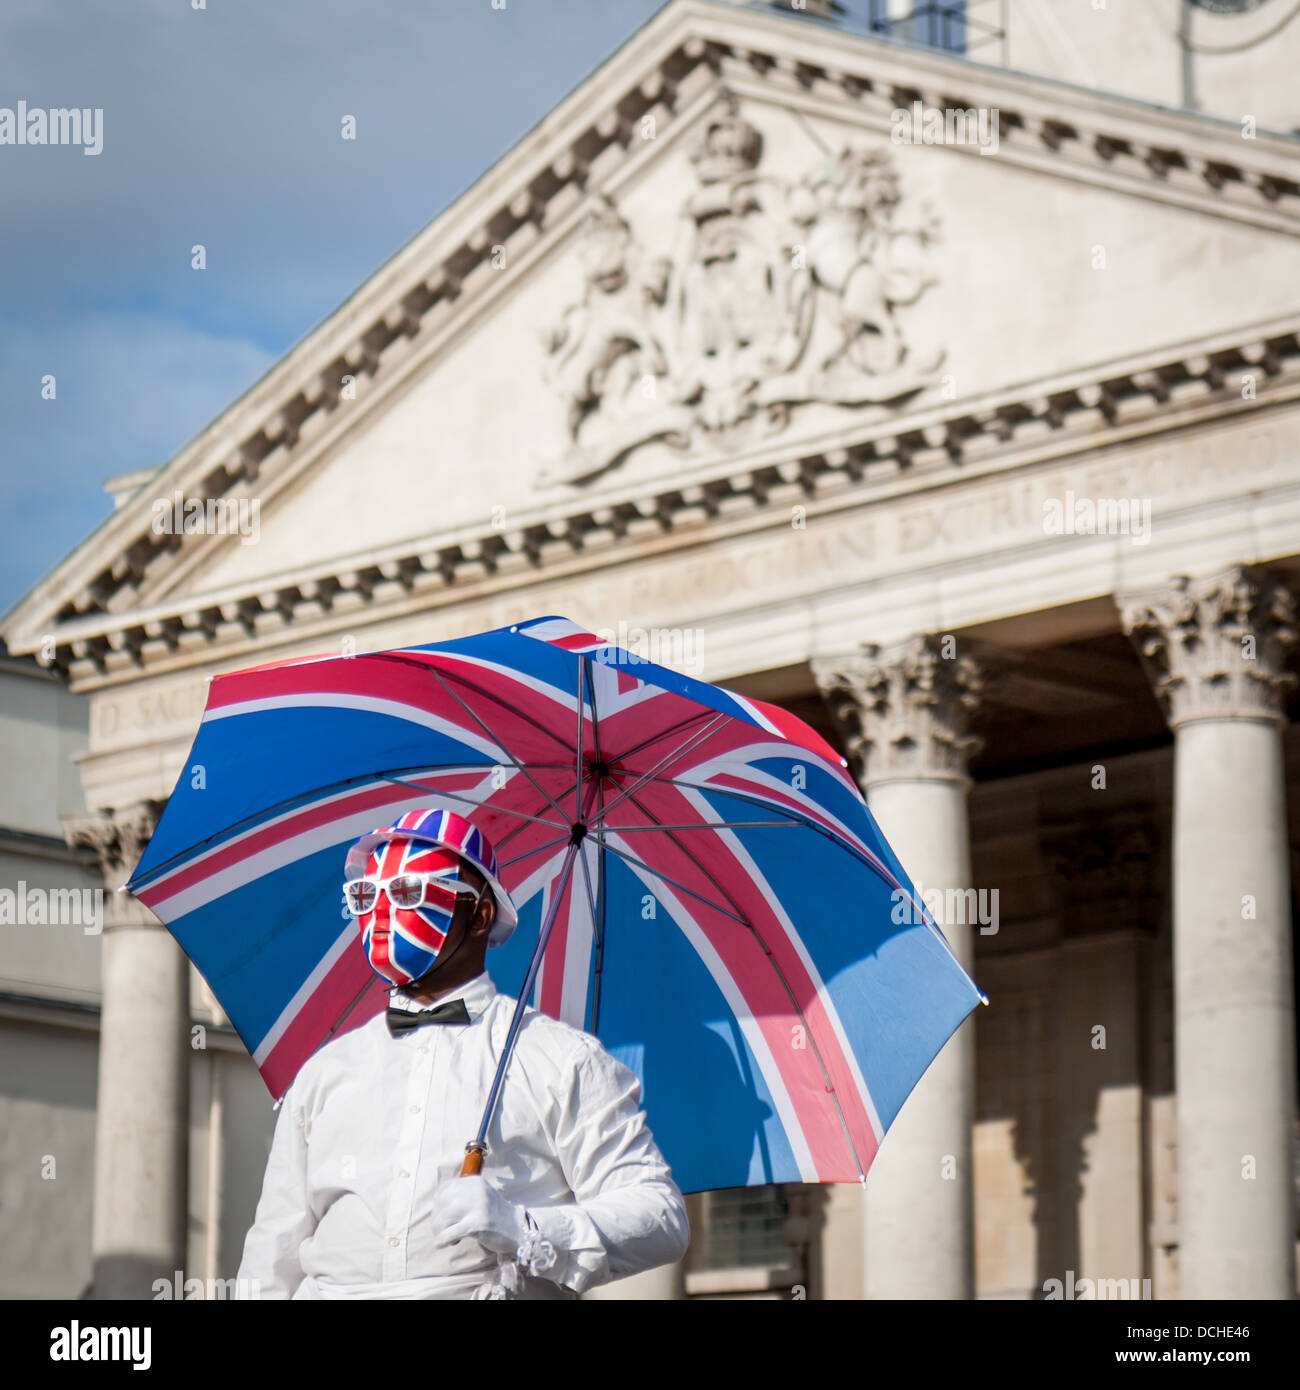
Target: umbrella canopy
<point>732,925</point>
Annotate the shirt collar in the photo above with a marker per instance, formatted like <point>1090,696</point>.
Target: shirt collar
<point>477,993</point>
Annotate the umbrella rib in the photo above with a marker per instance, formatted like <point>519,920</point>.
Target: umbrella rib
<point>663,733</point>
<point>577,754</point>
<point>469,801</point>
<point>430,669</point>
<point>649,815</point>
<point>703,825</point>
<point>826,1076</point>
<point>597,934</point>
<point>806,821</point>
<point>843,844</point>
<point>598,967</point>
<point>785,984</point>
<point>338,1022</point>
<point>598,915</point>
<point>519,829</point>
<point>496,699</point>
<point>577,788</point>
<point>586,874</point>
<point>540,849</point>
<point>260,817</point>
<point>503,840</point>
<point>591,699</point>
<point>667,878</point>
<point>510,834</point>
<point>642,777</point>
<point>437,675</point>
<point>581,702</point>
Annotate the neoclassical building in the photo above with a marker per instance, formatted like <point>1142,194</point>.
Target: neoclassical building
<point>951,406</point>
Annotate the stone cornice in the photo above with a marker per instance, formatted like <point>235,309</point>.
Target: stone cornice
<point>1145,163</point>
<point>690,49</point>
<point>1082,413</point>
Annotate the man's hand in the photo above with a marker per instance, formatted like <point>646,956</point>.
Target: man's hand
<point>473,1207</point>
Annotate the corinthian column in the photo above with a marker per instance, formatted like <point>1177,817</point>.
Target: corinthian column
<point>904,711</point>
<point>142,1111</point>
<point>1216,652</point>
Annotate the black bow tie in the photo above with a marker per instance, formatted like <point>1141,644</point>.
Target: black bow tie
<point>402,1021</point>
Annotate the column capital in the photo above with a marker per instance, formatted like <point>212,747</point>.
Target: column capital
<point>1215,647</point>
<point>118,838</point>
<point>904,709</point>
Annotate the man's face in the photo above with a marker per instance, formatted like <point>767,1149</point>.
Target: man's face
<point>402,943</point>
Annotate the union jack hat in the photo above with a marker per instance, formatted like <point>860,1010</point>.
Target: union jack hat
<point>463,838</point>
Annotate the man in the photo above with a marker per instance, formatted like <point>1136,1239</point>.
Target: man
<point>362,1196</point>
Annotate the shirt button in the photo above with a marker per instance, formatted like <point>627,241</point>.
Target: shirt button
<point>415,1110</point>
<point>403,1174</point>
<point>393,1240</point>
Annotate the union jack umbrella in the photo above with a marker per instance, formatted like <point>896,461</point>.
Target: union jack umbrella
<point>698,881</point>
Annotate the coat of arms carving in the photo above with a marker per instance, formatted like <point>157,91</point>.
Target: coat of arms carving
<point>777,294</point>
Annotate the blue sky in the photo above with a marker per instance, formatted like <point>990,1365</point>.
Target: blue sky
<point>221,126</point>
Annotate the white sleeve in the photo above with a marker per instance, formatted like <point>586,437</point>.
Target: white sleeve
<point>629,1214</point>
<point>284,1218</point>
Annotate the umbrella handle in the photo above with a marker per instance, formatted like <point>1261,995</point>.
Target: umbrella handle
<point>473,1164</point>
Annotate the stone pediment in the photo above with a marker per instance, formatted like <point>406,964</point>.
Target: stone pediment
<point>733,260</point>
<point>776,289</point>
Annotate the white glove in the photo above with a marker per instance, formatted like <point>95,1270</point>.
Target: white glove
<point>472,1207</point>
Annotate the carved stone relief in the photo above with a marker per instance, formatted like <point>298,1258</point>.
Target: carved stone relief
<point>776,293</point>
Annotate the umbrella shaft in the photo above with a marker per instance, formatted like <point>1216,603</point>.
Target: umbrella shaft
<point>552,911</point>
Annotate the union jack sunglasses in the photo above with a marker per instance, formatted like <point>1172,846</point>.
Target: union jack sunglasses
<point>404,890</point>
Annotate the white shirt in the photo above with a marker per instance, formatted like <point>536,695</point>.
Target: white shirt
<point>372,1124</point>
